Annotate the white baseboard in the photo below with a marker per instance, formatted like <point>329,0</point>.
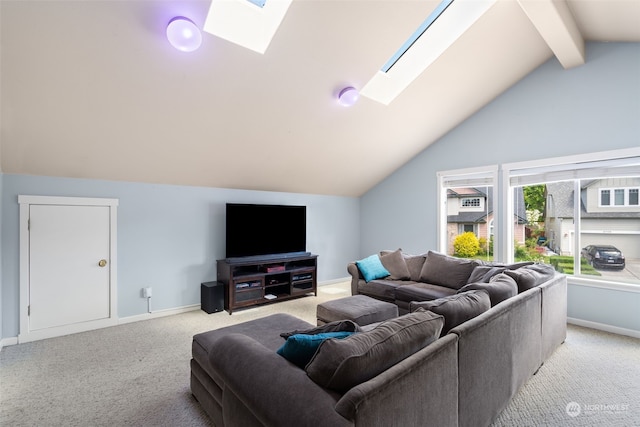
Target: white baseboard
<point>8,341</point>
<point>162,313</point>
<point>604,327</point>
<point>158,313</point>
<point>334,281</point>
<point>146,316</point>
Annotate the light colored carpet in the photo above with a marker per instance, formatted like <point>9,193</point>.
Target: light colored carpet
<point>593,379</point>
<point>137,374</point>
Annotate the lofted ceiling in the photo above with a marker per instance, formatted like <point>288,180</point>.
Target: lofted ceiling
<point>92,89</point>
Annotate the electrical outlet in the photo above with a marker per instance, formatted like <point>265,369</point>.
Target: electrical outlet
<point>146,292</point>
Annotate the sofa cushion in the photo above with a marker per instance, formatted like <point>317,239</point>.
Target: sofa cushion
<point>421,292</point>
<point>414,265</point>
<point>342,364</point>
<point>381,288</point>
<point>500,288</point>
<point>371,268</point>
<point>457,308</point>
<point>484,273</point>
<point>530,276</point>
<point>395,263</point>
<point>300,348</point>
<point>486,270</point>
<point>444,270</point>
<point>336,326</point>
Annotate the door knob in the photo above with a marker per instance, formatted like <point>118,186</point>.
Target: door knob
<point>102,262</point>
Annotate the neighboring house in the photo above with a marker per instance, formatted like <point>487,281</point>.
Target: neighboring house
<point>609,215</point>
<point>471,209</point>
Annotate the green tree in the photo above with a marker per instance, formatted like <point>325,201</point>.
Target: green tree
<point>535,198</point>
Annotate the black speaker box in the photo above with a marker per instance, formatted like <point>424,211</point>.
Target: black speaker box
<point>212,297</point>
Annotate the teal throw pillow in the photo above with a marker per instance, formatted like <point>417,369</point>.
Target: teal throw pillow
<point>371,268</point>
<point>300,348</point>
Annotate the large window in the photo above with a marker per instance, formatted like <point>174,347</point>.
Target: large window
<point>467,212</point>
<point>581,214</point>
<point>590,224</point>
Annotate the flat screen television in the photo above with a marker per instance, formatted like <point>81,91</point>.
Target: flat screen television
<point>255,230</point>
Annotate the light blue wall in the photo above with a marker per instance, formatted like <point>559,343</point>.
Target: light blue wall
<point>604,306</point>
<point>169,237</point>
<point>552,112</point>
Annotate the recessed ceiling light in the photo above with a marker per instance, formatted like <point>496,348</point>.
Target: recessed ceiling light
<point>438,32</point>
<point>183,34</point>
<point>248,23</point>
<point>348,96</point>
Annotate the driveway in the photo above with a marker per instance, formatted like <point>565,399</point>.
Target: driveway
<point>633,268</point>
<point>630,272</point>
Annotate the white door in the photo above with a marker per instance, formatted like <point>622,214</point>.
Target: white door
<point>68,260</point>
<point>67,265</point>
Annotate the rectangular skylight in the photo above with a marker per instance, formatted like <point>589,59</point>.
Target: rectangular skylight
<point>242,23</point>
<point>259,3</point>
<point>449,24</point>
<point>416,35</point>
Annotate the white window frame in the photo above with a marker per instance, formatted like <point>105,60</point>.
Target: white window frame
<point>474,202</point>
<point>612,198</point>
<point>612,163</point>
<point>471,177</point>
<point>624,162</point>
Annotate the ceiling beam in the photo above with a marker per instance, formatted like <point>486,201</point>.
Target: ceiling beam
<point>555,23</point>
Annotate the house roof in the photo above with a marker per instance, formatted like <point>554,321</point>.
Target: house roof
<point>519,208</point>
<point>92,88</point>
<point>562,195</point>
<point>465,192</point>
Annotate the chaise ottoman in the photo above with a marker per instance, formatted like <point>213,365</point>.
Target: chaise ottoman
<point>362,309</point>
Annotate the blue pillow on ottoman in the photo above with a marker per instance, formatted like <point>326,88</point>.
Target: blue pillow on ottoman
<point>371,268</point>
<point>300,348</point>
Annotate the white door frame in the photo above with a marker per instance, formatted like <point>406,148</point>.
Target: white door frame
<point>25,334</point>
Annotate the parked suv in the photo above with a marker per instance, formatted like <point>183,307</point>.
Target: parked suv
<point>604,256</point>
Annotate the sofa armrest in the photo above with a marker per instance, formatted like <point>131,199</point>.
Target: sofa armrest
<point>424,385</point>
<point>356,276</point>
<point>498,350</point>
<point>272,389</point>
<point>554,314</point>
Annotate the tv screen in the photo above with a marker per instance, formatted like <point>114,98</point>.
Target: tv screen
<point>262,230</point>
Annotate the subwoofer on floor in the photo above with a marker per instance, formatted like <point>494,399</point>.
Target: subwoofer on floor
<point>212,297</point>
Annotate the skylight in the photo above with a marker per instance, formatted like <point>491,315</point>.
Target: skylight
<point>248,23</point>
<point>259,3</point>
<point>449,20</point>
<point>416,35</point>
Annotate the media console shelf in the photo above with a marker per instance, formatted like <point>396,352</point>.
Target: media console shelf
<point>257,281</point>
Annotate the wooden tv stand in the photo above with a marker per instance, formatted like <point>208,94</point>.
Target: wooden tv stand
<point>253,281</point>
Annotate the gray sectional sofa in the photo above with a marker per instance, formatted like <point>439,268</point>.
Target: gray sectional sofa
<point>462,376</point>
<point>434,275</point>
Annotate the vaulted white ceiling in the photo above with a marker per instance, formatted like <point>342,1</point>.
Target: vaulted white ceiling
<point>92,89</point>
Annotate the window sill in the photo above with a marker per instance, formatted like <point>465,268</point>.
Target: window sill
<point>603,284</point>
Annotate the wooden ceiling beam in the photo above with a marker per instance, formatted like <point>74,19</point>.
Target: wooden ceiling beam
<point>555,23</point>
